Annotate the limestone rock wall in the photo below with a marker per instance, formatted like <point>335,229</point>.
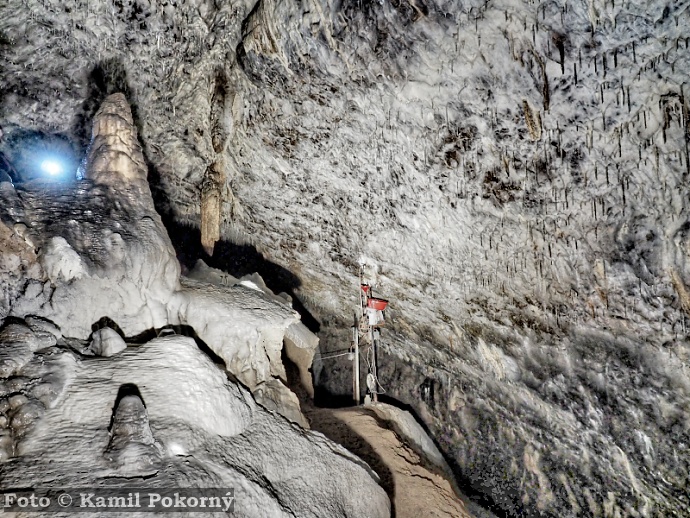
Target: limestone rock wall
<point>517,171</point>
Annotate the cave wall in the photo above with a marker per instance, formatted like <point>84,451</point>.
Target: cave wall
<point>516,170</point>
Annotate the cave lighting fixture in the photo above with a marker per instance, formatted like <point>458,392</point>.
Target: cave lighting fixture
<point>52,167</point>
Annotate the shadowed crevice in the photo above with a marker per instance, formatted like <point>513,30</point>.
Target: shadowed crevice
<point>236,259</point>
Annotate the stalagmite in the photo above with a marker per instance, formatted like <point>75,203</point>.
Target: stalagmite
<point>105,258</point>
<point>115,158</point>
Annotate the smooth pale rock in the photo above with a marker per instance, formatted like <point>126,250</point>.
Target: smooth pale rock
<point>204,273</point>
<point>256,282</point>
<point>60,261</point>
<point>253,370</point>
<point>274,395</point>
<point>243,327</point>
<point>107,342</point>
<point>300,347</point>
<point>210,430</point>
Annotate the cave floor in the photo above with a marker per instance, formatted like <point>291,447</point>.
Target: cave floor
<point>414,489</point>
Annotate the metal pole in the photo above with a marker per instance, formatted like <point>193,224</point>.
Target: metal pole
<point>356,367</point>
<point>373,366</point>
<point>358,319</point>
<point>352,353</point>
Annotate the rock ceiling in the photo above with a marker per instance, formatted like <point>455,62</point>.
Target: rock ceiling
<point>515,171</point>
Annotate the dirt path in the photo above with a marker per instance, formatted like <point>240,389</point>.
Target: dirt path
<point>414,490</point>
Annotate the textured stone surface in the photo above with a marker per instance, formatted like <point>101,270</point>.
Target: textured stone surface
<point>197,429</point>
<point>112,263</point>
<point>132,448</point>
<point>300,344</point>
<point>517,170</point>
<point>106,342</point>
<point>98,239</point>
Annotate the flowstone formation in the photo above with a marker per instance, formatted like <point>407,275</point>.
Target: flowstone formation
<point>517,170</point>
<point>198,429</point>
<point>99,239</point>
<point>87,262</point>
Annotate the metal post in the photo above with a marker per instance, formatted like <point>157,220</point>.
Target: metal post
<point>373,365</point>
<point>356,367</point>
<point>352,352</point>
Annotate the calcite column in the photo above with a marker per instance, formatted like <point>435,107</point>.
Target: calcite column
<point>115,157</point>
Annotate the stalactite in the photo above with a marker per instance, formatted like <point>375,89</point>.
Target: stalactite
<point>219,129</point>
<point>545,92</point>
<point>211,205</point>
<point>533,126</point>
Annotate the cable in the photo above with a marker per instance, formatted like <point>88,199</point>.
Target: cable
<point>334,354</point>
<point>366,359</point>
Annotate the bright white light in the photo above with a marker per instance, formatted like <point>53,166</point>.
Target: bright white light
<point>51,167</point>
